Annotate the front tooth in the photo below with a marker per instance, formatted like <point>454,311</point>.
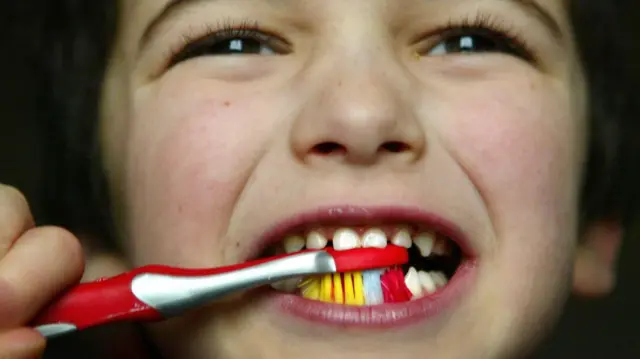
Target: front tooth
<point>427,282</point>
<point>412,281</point>
<point>424,242</point>
<point>439,278</point>
<point>402,239</point>
<point>316,240</point>
<point>374,238</point>
<point>293,244</point>
<point>344,239</point>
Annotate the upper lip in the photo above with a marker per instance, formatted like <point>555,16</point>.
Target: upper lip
<point>353,215</point>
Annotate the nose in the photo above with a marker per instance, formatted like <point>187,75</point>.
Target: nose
<point>359,116</point>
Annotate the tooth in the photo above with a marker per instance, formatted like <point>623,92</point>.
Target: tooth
<point>316,240</point>
<point>402,239</point>
<point>288,285</point>
<point>427,282</point>
<point>374,238</point>
<point>412,282</point>
<point>344,239</point>
<point>439,278</point>
<point>440,247</point>
<point>424,242</point>
<point>293,244</point>
<point>279,286</point>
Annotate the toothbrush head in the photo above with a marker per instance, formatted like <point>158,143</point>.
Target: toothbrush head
<point>361,259</point>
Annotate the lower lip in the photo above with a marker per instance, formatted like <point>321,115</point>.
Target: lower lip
<point>379,316</point>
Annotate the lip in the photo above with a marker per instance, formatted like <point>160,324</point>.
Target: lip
<point>352,215</point>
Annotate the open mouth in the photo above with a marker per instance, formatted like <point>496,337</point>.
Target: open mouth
<point>434,259</point>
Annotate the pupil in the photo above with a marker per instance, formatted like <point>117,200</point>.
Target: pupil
<point>471,44</point>
<point>238,46</point>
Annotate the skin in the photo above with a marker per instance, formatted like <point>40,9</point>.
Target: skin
<point>204,156</point>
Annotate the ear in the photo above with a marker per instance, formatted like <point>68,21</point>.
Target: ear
<point>597,259</point>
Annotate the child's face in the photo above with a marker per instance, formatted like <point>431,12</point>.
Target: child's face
<point>341,106</point>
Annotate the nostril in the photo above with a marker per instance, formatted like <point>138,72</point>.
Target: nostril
<point>395,147</point>
<point>329,148</point>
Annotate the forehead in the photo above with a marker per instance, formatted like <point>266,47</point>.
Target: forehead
<point>138,14</point>
<point>151,6</point>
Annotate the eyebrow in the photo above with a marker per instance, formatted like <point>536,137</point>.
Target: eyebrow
<point>174,6</point>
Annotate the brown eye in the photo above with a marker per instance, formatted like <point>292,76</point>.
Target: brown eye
<point>233,42</point>
<point>475,40</point>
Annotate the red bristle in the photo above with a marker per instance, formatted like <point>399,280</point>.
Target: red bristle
<point>393,288</point>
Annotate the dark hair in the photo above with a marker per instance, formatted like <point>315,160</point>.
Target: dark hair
<point>77,38</point>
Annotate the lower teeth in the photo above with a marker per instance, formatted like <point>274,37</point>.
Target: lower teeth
<point>372,287</point>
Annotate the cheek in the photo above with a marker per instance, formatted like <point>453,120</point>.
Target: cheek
<point>521,147</point>
<point>191,150</point>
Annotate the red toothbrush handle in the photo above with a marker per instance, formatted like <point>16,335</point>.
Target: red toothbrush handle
<point>112,300</point>
<point>96,303</point>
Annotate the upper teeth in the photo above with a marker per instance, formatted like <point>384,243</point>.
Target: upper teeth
<point>315,240</point>
<point>294,244</point>
<point>374,238</point>
<point>402,239</point>
<point>424,242</point>
<point>346,238</point>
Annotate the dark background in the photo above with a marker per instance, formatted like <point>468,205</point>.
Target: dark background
<point>589,329</point>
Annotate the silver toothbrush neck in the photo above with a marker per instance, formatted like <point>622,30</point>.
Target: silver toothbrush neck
<point>173,295</point>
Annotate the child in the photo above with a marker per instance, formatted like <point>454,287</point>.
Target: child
<point>476,133</point>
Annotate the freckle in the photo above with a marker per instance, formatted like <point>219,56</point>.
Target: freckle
<point>227,104</point>
<point>237,244</point>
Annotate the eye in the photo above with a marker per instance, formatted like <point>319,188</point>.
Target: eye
<point>233,42</point>
<point>240,46</point>
<point>473,40</point>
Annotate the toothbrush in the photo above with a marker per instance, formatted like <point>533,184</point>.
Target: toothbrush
<point>154,293</point>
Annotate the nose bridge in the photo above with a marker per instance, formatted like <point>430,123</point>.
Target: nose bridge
<point>361,91</point>
<point>362,76</point>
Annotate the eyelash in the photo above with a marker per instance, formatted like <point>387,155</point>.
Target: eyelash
<point>482,23</point>
<point>222,31</point>
<point>489,25</point>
